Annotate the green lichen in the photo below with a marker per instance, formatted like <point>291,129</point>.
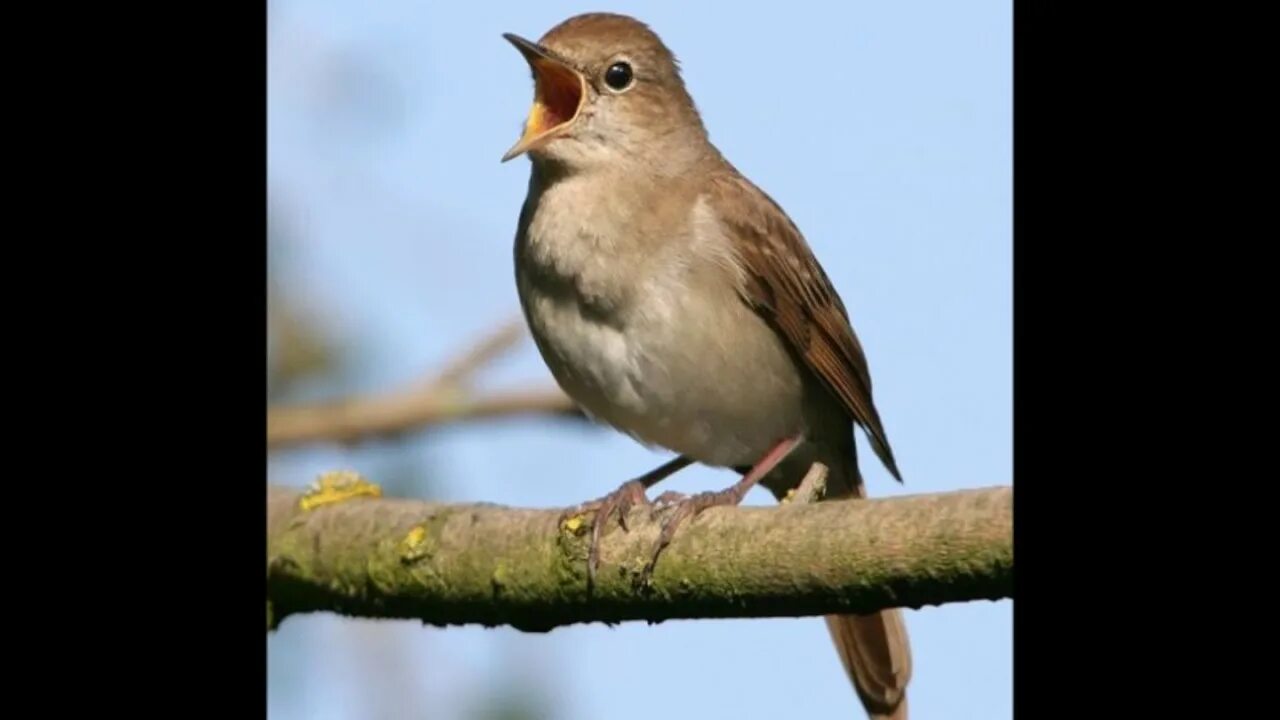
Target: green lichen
<point>500,578</point>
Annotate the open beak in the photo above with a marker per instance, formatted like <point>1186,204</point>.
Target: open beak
<point>559,91</point>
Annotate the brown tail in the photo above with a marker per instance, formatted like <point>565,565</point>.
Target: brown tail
<point>877,658</point>
<point>873,648</point>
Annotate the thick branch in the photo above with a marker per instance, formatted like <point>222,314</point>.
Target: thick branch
<point>486,564</point>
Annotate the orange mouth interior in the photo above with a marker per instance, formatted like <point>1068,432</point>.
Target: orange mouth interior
<point>557,98</point>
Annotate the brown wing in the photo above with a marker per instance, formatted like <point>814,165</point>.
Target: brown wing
<point>785,284</point>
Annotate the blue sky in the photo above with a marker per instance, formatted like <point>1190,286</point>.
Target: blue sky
<point>884,130</point>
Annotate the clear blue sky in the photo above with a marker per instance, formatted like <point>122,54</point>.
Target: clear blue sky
<point>884,130</point>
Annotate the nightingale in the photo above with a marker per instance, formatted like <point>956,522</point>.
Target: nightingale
<point>675,301</point>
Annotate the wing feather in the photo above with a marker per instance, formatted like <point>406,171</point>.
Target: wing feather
<point>785,283</point>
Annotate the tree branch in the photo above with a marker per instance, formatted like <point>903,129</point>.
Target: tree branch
<point>340,547</point>
<point>355,419</point>
<point>462,368</point>
<point>443,398</point>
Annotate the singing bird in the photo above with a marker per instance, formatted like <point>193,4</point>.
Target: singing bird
<point>674,300</point>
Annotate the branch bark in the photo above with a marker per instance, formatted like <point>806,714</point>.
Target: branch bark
<point>340,547</point>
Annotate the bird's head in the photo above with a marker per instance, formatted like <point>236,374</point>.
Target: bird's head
<point>606,90</point>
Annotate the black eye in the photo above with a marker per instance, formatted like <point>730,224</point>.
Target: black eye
<point>618,76</point>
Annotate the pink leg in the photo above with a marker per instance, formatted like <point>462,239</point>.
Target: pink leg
<point>689,507</point>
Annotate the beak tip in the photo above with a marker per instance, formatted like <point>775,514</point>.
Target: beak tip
<point>528,48</point>
<point>516,40</point>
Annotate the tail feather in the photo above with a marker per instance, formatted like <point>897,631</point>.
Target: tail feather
<point>874,648</point>
<point>877,658</point>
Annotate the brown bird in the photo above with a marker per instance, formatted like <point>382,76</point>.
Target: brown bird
<point>677,302</point>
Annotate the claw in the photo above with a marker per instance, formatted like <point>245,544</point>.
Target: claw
<point>621,500</point>
<point>628,495</point>
<point>687,507</point>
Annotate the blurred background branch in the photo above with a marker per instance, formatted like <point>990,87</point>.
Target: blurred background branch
<point>443,398</point>
<point>341,547</point>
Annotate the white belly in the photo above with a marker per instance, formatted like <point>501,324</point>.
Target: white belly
<point>649,335</point>
<point>664,372</point>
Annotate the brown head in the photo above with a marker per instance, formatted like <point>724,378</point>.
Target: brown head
<point>606,89</point>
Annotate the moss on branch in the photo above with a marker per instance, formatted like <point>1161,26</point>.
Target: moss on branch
<point>343,548</point>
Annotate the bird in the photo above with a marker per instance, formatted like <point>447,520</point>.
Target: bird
<point>674,300</point>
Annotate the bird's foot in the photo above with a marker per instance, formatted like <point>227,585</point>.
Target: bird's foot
<point>627,496</point>
<point>622,500</point>
<point>687,507</point>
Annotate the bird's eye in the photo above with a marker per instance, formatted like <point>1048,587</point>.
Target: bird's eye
<point>618,76</point>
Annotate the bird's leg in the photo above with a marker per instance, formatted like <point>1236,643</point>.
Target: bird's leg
<point>631,492</point>
<point>688,507</point>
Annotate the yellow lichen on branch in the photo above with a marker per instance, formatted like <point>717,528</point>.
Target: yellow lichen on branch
<point>335,487</point>
<point>341,547</point>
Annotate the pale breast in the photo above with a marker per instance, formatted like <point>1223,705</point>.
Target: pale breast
<point>657,343</point>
